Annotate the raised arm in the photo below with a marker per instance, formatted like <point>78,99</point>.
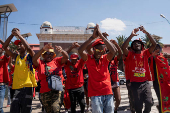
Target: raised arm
<point>89,49</point>
<point>74,45</point>
<point>10,63</point>
<point>24,42</point>
<point>37,55</point>
<point>64,53</point>
<point>150,38</point>
<point>109,45</point>
<point>6,44</point>
<point>126,43</point>
<point>118,48</point>
<point>81,49</point>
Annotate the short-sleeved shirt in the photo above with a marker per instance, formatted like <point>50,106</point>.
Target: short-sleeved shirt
<point>113,70</point>
<point>74,74</point>
<point>99,77</point>
<point>4,75</point>
<point>138,66</point>
<point>54,67</point>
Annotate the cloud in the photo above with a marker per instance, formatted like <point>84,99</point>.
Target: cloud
<point>113,24</point>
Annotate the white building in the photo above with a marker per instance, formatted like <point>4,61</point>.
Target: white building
<point>63,36</point>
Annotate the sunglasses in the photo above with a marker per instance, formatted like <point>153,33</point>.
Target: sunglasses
<point>98,50</point>
<point>49,53</point>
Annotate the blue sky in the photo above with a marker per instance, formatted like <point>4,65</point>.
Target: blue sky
<point>117,17</point>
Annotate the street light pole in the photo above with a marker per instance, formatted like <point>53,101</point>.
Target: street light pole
<point>165,18</point>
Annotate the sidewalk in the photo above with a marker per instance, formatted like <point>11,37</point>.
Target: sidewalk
<point>123,108</point>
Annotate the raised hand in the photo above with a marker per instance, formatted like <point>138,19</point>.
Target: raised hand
<point>47,47</point>
<point>142,29</point>
<point>134,32</point>
<point>15,32</point>
<point>95,32</point>
<point>75,44</point>
<point>59,49</point>
<point>113,41</point>
<point>105,34</point>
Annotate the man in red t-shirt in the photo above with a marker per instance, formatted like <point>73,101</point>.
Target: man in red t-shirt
<point>4,75</point>
<point>139,70</point>
<point>75,79</point>
<point>99,84</point>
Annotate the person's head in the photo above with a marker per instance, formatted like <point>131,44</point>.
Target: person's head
<point>98,48</point>
<point>137,45</point>
<point>20,47</point>
<point>48,55</point>
<point>74,58</point>
<point>1,49</point>
<point>157,49</point>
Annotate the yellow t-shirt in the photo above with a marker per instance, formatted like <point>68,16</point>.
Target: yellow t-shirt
<point>23,76</point>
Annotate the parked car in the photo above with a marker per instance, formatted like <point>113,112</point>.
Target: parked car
<point>122,78</point>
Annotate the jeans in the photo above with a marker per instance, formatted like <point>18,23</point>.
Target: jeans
<point>22,100</point>
<point>9,97</point>
<point>2,96</point>
<point>102,104</point>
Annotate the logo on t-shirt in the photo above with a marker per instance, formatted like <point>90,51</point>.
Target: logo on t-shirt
<point>139,72</point>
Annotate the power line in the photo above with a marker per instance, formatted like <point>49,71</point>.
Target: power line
<point>104,26</point>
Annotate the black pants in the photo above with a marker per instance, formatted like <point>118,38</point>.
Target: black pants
<point>130,96</point>
<point>75,94</point>
<point>22,100</point>
<point>141,92</point>
<point>156,86</point>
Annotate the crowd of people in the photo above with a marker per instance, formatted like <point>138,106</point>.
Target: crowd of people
<point>90,73</point>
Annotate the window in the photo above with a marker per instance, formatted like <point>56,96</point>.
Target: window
<point>45,29</point>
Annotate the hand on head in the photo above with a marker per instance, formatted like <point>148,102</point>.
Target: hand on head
<point>47,47</point>
<point>59,49</point>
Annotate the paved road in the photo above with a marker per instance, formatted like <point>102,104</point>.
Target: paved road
<point>123,108</point>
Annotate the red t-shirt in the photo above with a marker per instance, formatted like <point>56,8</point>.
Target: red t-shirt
<point>11,75</point>
<point>138,66</point>
<point>54,67</point>
<point>126,68</point>
<point>74,74</point>
<point>113,70</point>
<point>4,75</point>
<point>99,77</point>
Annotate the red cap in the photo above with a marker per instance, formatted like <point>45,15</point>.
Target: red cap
<point>74,56</point>
<point>97,41</point>
<point>17,42</point>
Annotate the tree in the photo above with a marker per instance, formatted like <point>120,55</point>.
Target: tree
<point>120,41</point>
<point>148,43</point>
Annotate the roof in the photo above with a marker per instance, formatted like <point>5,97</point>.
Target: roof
<point>166,48</point>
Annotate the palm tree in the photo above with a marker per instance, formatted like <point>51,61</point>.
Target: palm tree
<point>120,40</point>
<point>148,43</point>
